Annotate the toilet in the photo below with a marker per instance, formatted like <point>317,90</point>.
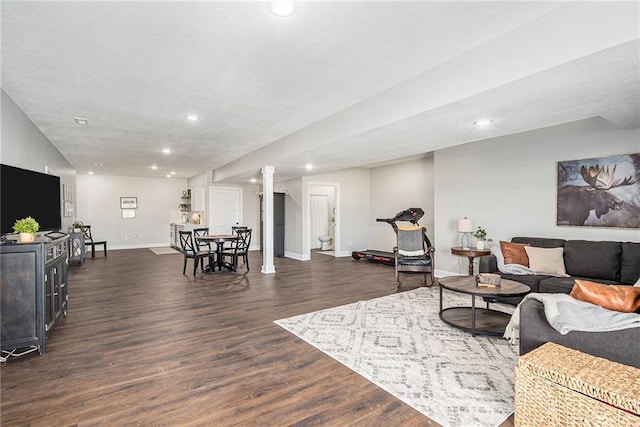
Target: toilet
<point>325,242</point>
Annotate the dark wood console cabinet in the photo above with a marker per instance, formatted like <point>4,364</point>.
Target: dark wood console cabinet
<point>33,291</point>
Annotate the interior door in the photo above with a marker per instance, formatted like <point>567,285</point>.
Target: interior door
<point>225,209</point>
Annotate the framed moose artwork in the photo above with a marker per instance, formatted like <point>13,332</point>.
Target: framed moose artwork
<point>601,192</point>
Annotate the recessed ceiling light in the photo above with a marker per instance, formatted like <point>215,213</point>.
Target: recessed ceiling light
<point>282,8</point>
<point>168,176</point>
<point>253,180</point>
<point>192,117</point>
<point>166,150</point>
<point>173,172</point>
<point>81,120</point>
<point>90,172</point>
<point>309,166</point>
<point>154,167</point>
<point>98,165</point>
<point>483,122</point>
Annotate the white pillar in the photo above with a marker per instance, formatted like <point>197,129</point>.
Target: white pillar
<point>268,266</point>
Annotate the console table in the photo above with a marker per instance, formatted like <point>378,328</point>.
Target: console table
<point>33,297</point>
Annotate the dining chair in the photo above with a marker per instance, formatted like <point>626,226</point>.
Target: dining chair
<point>241,248</point>
<point>88,241</point>
<point>190,250</point>
<point>234,231</point>
<point>202,231</point>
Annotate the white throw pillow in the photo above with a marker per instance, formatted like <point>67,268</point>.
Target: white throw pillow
<point>508,268</point>
<point>548,261</point>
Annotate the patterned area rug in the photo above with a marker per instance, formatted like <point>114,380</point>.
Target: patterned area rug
<point>164,251</point>
<point>399,343</point>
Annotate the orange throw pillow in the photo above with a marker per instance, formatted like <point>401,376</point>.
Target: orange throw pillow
<point>514,253</point>
<point>625,299</point>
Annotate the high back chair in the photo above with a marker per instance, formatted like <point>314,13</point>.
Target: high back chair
<point>413,253</point>
<point>203,231</point>
<point>88,241</point>
<point>190,250</point>
<point>234,231</point>
<point>241,248</point>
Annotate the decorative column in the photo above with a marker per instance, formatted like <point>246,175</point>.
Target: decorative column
<point>268,266</point>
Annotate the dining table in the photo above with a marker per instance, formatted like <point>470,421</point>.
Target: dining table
<point>219,240</point>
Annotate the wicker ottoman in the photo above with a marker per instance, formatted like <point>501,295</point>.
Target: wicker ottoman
<point>558,386</point>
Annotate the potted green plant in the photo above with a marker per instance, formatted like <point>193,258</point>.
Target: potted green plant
<point>481,235</point>
<point>26,229</point>
<point>77,226</point>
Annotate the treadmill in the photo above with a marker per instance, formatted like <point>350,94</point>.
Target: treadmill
<point>411,215</point>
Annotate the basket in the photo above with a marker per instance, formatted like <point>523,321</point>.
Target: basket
<point>558,386</point>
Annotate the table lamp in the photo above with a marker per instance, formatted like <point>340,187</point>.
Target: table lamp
<point>465,226</point>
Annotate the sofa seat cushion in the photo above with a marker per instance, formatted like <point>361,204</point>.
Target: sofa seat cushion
<point>531,280</point>
<point>630,266</point>
<point>597,260</point>
<point>563,285</point>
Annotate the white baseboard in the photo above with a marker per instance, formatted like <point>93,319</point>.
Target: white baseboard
<point>342,254</point>
<point>135,246</point>
<point>443,273</point>
<point>296,256</point>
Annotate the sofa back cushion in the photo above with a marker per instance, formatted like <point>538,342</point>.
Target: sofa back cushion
<point>593,260</point>
<point>540,242</point>
<point>630,268</point>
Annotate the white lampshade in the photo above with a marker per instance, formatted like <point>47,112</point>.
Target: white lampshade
<point>465,225</point>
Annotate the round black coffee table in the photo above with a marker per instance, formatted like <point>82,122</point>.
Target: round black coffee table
<point>474,319</point>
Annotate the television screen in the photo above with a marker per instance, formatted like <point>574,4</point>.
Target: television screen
<point>27,193</point>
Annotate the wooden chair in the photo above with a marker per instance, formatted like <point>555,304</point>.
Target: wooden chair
<point>88,241</point>
<point>240,249</point>
<point>204,231</point>
<point>413,253</point>
<point>234,230</point>
<point>189,250</point>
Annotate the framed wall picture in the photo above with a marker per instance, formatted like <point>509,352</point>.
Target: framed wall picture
<point>128,203</point>
<point>128,213</point>
<point>599,192</point>
<point>68,209</point>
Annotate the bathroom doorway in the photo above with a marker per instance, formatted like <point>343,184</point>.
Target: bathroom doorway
<point>322,217</point>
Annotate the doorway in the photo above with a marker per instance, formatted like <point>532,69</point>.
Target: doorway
<point>225,209</point>
<point>322,218</point>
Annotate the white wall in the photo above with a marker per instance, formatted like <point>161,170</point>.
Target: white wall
<point>508,185</point>
<point>99,205</point>
<point>24,146</point>
<point>395,188</point>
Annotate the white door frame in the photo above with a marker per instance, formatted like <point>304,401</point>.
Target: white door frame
<point>306,218</point>
<point>212,202</point>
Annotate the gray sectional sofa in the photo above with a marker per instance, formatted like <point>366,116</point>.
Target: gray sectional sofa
<point>602,262</point>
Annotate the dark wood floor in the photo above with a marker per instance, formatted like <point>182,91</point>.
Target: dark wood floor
<point>145,345</point>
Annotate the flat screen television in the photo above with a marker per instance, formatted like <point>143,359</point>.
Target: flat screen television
<point>27,193</point>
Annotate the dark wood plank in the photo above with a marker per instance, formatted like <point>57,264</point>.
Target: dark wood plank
<point>144,344</point>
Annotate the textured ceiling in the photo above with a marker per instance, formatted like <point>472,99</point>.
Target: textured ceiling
<point>337,84</point>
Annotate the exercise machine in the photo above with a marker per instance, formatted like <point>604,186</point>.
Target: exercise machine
<point>411,215</point>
